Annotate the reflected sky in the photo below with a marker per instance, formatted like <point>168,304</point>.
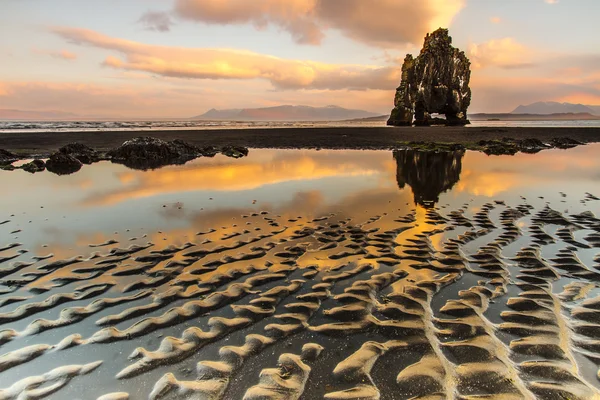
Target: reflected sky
<point>217,204</point>
<point>69,212</point>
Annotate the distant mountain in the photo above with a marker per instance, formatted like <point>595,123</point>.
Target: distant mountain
<point>534,117</point>
<point>552,107</point>
<point>35,115</point>
<point>287,113</point>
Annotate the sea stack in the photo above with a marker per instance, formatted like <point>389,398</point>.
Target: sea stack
<point>435,82</point>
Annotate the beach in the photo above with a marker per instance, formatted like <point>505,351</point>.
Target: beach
<point>44,143</point>
<point>308,274</point>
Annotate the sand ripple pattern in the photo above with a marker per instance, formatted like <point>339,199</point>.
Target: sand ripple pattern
<point>497,301</point>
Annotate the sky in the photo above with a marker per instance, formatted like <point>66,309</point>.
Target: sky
<point>180,58</point>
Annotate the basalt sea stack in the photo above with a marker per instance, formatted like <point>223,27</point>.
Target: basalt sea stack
<point>436,82</point>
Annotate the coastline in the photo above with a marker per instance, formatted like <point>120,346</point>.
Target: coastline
<point>377,138</point>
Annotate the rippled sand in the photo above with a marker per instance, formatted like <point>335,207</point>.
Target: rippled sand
<point>498,300</point>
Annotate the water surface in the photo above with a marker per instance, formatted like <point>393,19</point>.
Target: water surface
<point>401,273</point>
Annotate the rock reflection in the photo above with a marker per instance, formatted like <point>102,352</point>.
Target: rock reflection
<point>428,173</point>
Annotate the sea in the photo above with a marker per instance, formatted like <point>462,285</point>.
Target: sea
<point>136,125</point>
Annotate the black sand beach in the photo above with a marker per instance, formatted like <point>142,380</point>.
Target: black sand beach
<point>41,143</point>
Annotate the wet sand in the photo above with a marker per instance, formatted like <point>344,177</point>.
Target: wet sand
<point>43,143</point>
<point>490,296</point>
<point>327,307</point>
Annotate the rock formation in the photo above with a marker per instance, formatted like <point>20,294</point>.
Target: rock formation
<point>435,82</point>
<point>6,157</point>
<point>63,164</point>
<point>34,166</point>
<point>83,153</point>
<point>428,173</point>
<point>149,153</point>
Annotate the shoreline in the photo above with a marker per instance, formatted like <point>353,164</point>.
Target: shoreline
<point>340,138</point>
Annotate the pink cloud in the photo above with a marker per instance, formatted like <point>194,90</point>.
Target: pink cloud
<point>381,23</point>
<point>218,64</point>
<point>166,98</point>
<point>61,54</point>
<point>504,53</point>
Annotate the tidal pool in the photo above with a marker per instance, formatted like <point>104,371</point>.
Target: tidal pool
<point>306,274</point>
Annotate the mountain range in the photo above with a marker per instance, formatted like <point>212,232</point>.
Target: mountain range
<point>552,107</point>
<point>286,113</point>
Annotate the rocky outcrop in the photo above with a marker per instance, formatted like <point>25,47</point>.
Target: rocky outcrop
<point>234,151</point>
<point>564,143</point>
<point>6,157</point>
<point>34,166</point>
<point>83,153</point>
<point>435,82</point>
<point>149,153</point>
<point>63,164</point>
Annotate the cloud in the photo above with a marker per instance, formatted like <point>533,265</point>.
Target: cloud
<point>381,23</point>
<point>504,53</point>
<point>502,94</point>
<point>173,98</point>
<point>156,21</point>
<point>62,54</point>
<point>202,63</point>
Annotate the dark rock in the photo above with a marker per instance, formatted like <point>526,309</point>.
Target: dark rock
<point>149,153</point>
<point>63,164</point>
<point>564,143</point>
<point>185,149</point>
<point>433,146</point>
<point>436,82</point>
<point>209,151</point>
<point>7,167</point>
<point>234,151</point>
<point>531,145</point>
<point>83,153</point>
<point>6,157</point>
<point>498,147</point>
<point>34,166</point>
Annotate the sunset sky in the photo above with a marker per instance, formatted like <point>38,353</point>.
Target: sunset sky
<point>179,58</point>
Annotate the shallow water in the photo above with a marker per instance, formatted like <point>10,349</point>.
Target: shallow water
<point>411,274</point>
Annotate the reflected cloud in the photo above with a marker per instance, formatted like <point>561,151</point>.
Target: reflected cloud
<point>244,174</point>
<point>491,175</point>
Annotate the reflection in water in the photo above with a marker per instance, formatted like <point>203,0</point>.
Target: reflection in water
<point>428,173</point>
<point>193,279</point>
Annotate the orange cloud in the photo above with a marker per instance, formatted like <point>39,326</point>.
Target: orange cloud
<point>382,23</point>
<point>62,54</point>
<point>505,53</point>
<point>173,98</point>
<point>582,98</point>
<point>495,20</point>
<point>201,63</point>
